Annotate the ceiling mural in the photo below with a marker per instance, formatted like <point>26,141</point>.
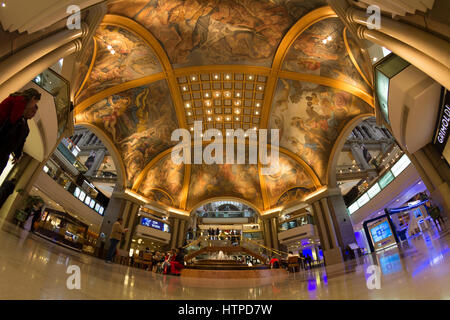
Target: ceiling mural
<point>290,174</point>
<point>320,50</point>
<point>159,196</point>
<point>122,56</point>
<point>292,195</point>
<point>164,175</point>
<point>310,117</point>
<point>225,180</point>
<point>139,121</point>
<point>245,34</point>
<point>207,32</point>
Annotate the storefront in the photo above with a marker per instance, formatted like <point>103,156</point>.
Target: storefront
<point>62,228</point>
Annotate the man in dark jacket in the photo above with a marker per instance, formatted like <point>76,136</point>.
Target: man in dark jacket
<point>14,137</point>
<point>6,190</point>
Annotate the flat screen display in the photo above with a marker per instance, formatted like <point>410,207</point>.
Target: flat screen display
<point>87,200</point>
<point>386,179</point>
<point>101,210</point>
<point>381,232</point>
<point>97,207</point>
<point>82,195</point>
<point>417,213</point>
<point>77,191</point>
<point>374,190</point>
<point>152,223</point>
<point>92,204</point>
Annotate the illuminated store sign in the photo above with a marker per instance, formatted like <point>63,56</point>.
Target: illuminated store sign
<point>353,208</point>
<point>442,130</point>
<point>386,179</point>
<point>363,200</point>
<point>374,190</point>
<point>400,165</point>
<point>152,224</point>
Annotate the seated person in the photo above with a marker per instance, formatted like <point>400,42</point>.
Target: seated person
<point>274,263</point>
<point>176,262</point>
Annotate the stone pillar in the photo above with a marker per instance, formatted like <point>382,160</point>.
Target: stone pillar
<point>24,76</point>
<point>129,222</point>
<point>267,233</point>
<point>181,233</point>
<point>428,65</point>
<point>174,235</point>
<point>331,250</point>
<point>357,153</point>
<point>423,41</point>
<point>274,229</point>
<point>23,58</point>
<point>99,156</point>
<point>425,161</point>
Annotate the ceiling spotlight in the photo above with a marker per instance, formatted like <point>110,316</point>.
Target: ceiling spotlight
<point>218,118</point>
<point>193,78</point>
<point>109,47</point>
<point>228,118</point>
<point>209,111</point>
<point>237,102</point>
<point>3,4</point>
<point>324,41</point>
<point>208,103</point>
<point>237,111</point>
<point>237,118</point>
<point>216,76</point>
<point>207,95</point>
<point>256,112</point>
<point>227,77</point>
<point>192,128</point>
<point>375,59</point>
<point>228,133</point>
<point>184,88</point>
<point>250,77</point>
<point>113,51</point>
<point>209,118</point>
<point>254,128</point>
<point>188,105</point>
<point>227,94</point>
<point>238,94</point>
<point>217,94</point>
<point>260,87</point>
<point>189,113</point>
<point>329,38</point>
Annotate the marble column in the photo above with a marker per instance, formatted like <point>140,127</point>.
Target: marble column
<point>174,233</point>
<point>99,156</point>
<point>267,233</point>
<point>274,230</point>
<point>358,154</point>
<point>181,233</point>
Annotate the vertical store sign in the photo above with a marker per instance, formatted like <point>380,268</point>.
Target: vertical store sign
<point>442,126</point>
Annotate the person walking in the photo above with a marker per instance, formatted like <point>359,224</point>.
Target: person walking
<point>14,113</point>
<point>116,235</point>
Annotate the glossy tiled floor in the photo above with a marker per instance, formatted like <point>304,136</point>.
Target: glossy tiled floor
<point>32,268</point>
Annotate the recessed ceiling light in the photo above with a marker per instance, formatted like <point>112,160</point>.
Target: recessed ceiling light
<point>184,88</point>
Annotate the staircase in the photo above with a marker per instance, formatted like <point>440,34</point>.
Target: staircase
<point>227,250</point>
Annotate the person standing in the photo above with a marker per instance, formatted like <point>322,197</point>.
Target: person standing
<point>116,235</point>
<point>14,113</point>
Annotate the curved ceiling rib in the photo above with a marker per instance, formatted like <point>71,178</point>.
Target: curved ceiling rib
<point>340,140</point>
<point>294,32</point>
<point>91,66</point>
<point>109,144</point>
<point>352,58</point>
<point>142,32</point>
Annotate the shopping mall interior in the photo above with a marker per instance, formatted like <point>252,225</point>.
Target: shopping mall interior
<point>348,173</point>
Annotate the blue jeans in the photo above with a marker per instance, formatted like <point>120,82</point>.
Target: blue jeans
<point>112,249</point>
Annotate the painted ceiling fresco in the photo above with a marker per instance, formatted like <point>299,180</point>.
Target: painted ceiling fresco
<point>290,175</point>
<point>139,121</point>
<point>309,54</point>
<point>310,118</point>
<point>130,59</point>
<point>217,31</point>
<point>167,176</point>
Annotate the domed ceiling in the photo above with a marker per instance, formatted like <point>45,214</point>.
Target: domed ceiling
<point>155,66</point>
